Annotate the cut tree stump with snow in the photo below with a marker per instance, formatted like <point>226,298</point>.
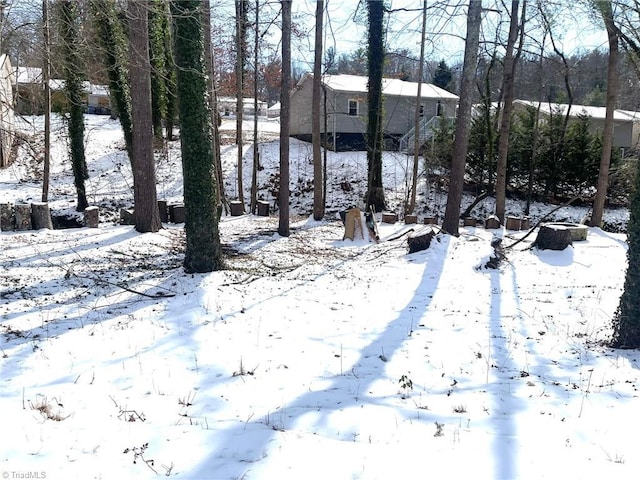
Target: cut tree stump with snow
<point>7,219</point>
<point>23,216</point>
<point>352,222</point>
<point>553,237</point>
<point>420,240</point>
<point>92,217</point>
<point>41,216</point>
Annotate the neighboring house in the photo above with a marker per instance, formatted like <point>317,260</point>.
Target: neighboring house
<point>227,106</point>
<point>29,96</point>
<point>274,110</point>
<point>7,131</point>
<point>626,124</point>
<point>346,107</point>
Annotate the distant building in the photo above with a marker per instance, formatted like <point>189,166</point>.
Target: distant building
<point>347,109</point>
<point>228,105</point>
<point>7,129</point>
<point>626,124</point>
<point>30,99</point>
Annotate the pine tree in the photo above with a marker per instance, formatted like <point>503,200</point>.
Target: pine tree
<point>442,76</point>
<point>203,252</point>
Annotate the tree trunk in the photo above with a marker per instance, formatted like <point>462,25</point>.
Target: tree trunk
<point>375,189</point>
<point>213,105</point>
<point>114,43</point>
<point>256,153</point>
<point>203,251</point>
<point>411,204</point>
<point>451,221</point>
<point>285,115</point>
<point>145,200</point>
<point>46,74</point>
<point>241,28</point>
<point>612,94</point>
<point>505,123</point>
<point>318,192</point>
<point>73,88</point>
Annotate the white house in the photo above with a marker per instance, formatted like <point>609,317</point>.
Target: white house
<point>346,107</point>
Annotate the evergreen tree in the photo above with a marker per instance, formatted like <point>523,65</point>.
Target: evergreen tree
<point>73,76</point>
<point>442,76</point>
<point>203,252</point>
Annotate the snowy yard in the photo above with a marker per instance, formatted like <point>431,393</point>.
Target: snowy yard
<point>309,356</point>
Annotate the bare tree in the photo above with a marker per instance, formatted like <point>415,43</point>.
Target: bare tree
<point>451,221</point>
<point>507,97</point>
<point>318,190</point>
<point>411,204</point>
<point>146,213</point>
<point>606,11</point>
<point>241,52</point>
<point>283,195</point>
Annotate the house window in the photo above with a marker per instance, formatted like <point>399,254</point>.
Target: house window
<point>353,108</point>
<point>421,110</point>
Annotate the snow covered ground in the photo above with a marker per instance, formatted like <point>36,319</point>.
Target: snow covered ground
<point>309,356</point>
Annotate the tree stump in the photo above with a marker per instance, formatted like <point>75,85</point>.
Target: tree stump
<point>126,217</point>
<point>469,222</point>
<point>7,218</point>
<point>91,217</point>
<point>410,219</point>
<point>352,222</point>
<point>23,216</point>
<point>176,213</point>
<point>492,222</point>
<point>263,208</point>
<point>553,237</point>
<point>163,208</point>
<point>237,208</point>
<point>41,216</point>
<point>420,240</point>
<point>513,223</point>
<point>430,220</point>
<point>389,217</point>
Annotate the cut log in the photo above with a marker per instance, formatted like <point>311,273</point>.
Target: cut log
<point>352,222</point>
<point>176,213</point>
<point>163,208</point>
<point>420,240</point>
<point>513,223</point>
<point>7,217</point>
<point>389,217</point>
<point>126,216</point>
<point>91,217</point>
<point>41,216</point>
<point>23,216</point>
<point>469,222</point>
<point>237,208</point>
<point>430,220</point>
<point>553,237</point>
<point>492,222</point>
<point>263,208</point>
<point>410,219</point>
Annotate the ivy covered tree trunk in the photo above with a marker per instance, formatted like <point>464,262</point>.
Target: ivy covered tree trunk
<point>375,191</point>
<point>203,252</point>
<point>626,322</point>
<point>146,213</point>
<point>73,76</point>
<point>115,50</point>
<point>158,32</point>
